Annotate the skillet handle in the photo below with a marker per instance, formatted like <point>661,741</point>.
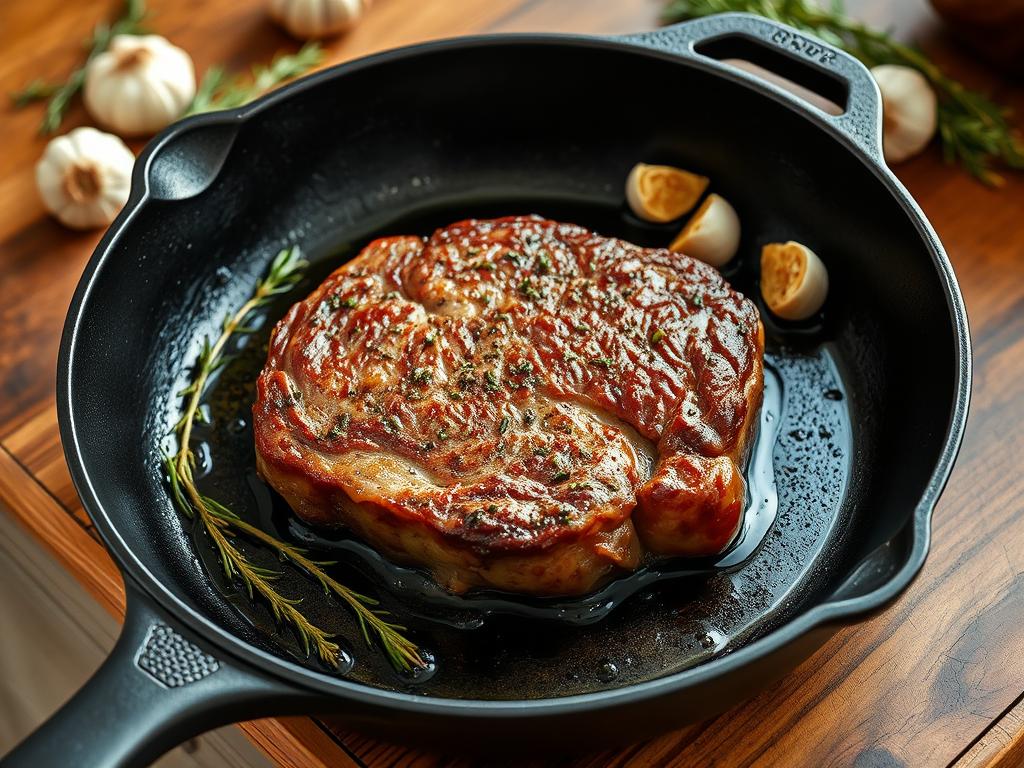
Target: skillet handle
<point>799,53</point>
<point>156,690</point>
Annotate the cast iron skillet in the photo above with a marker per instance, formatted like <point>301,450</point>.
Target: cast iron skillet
<point>870,398</point>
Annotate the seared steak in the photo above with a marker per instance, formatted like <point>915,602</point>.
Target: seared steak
<point>516,404</point>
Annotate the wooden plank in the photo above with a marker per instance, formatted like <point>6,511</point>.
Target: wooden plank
<point>62,635</point>
<point>613,18</point>
<point>293,742</point>
<point>299,742</point>
<point>65,538</point>
<point>37,447</point>
<point>1001,746</point>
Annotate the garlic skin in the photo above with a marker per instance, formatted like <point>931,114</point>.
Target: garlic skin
<point>84,177</point>
<point>794,281</point>
<point>661,193</point>
<point>311,19</point>
<point>139,85</point>
<point>712,234</point>
<point>909,111</point>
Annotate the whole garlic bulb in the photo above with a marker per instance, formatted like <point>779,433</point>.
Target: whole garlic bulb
<point>84,177</point>
<point>316,18</point>
<point>909,111</point>
<point>140,84</point>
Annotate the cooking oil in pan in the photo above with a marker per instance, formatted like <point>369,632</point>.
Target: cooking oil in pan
<point>664,618</point>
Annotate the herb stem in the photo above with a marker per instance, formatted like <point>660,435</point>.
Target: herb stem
<point>219,521</point>
<point>403,653</point>
<point>217,91</point>
<point>258,579</point>
<point>199,386</point>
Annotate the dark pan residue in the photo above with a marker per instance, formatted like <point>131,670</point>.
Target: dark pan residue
<point>657,621</point>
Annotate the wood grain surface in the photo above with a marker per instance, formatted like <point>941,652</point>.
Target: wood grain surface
<point>936,680</point>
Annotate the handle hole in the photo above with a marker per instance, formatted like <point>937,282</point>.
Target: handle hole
<point>828,93</point>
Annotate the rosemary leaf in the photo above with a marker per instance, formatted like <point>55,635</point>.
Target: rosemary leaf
<point>217,91</point>
<point>207,89</point>
<point>37,90</point>
<point>221,523</point>
<point>975,131</point>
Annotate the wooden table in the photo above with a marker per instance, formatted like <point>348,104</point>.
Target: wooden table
<point>936,680</point>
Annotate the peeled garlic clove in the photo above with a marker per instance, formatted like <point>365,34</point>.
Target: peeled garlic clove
<point>316,18</point>
<point>139,85</point>
<point>909,111</point>
<point>794,281</point>
<point>84,177</point>
<point>661,193</point>
<point>712,234</point>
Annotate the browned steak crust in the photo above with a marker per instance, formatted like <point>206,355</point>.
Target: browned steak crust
<point>516,403</point>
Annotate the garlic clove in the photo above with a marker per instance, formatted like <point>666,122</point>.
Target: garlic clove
<point>794,281</point>
<point>84,177</point>
<point>139,85</point>
<point>909,111</point>
<point>712,234</point>
<point>661,193</point>
<point>310,19</point>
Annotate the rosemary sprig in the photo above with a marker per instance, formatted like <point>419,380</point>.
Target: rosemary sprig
<point>975,131</point>
<point>59,95</point>
<point>217,91</point>
<point>221,524</point>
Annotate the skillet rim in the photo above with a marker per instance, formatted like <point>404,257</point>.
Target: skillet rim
<point>266,663</point>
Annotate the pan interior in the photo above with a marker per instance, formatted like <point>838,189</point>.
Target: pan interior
<point>410,144</point>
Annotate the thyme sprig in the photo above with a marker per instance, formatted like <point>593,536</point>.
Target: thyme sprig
<point>58,96</point>
<point>219,91</point>
<point>975,131</point>
<point>221,524</point>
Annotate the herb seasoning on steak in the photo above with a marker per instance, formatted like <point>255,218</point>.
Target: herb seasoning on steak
<point>516,404</point>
